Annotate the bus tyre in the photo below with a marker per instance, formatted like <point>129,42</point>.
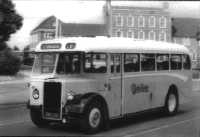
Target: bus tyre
<point>36,117</point>
<point>171,103</point>
<point>93,118</point>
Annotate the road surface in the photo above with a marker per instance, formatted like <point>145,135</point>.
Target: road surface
<point>15,120</point>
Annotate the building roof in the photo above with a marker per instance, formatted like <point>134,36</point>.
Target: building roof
<point>72,29</point>
<point>110,45</point>
<point>47,23</point>
<point>186,27</point>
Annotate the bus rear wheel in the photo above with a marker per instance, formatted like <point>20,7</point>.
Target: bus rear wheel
<point>36,117</point>
<point>93,118</point>
<point>171,103</point>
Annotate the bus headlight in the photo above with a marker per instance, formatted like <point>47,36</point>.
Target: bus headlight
<point>35,93</point>
<point>70,95</point>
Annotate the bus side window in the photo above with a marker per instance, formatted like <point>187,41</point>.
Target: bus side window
<point>131,62</point>
<point>186,62</point>
<point>95,63</point>
<point>115,63</point>
<point>176,63</point>
<point>148,62</point>
<point>162,61</point>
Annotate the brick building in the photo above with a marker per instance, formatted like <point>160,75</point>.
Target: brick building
<point>141,23</point>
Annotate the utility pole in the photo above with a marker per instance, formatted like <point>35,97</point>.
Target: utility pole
<point>108,17</point>
<point>56,28</point>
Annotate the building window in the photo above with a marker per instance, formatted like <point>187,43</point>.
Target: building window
<point>119,33</point>
<point>162,36</point>
<point>130,21</point>
<point>48,35</point>
<point>35,38</point>
<point>130,34</point>
<point>119,20</point>
<point>141,35</point>
<point>141,21</point>
<point>152,35</point>
<point>163,22</point>
<point>152,21</point>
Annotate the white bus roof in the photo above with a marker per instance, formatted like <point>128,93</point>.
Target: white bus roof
<point>109,45</point>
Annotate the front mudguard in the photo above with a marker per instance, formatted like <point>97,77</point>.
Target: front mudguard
<point>79,104</point>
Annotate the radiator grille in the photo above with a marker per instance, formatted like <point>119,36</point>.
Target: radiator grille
<point>52,100</point>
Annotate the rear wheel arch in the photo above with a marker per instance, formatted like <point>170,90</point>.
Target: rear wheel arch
<point>173,88</point>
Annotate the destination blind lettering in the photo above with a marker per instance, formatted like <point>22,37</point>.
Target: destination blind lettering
<point>51,46</point>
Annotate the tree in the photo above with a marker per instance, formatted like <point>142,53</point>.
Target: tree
<point>10,21</point>
<point>174,30</point>
<point>27,60</point>
<point>15,48</point>
<point>9,63</point>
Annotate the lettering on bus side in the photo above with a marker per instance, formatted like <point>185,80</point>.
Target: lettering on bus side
<point>139,88</point>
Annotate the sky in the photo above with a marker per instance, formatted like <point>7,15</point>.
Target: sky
<point>83,11</point>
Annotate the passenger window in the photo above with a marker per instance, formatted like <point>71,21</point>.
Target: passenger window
<point>162,61</point>
<point>131,63</point>
<point>176,62</point>
<point>115,63</point>
<point>186,62</point>
<point>147,62</point>
<point>95,63</point>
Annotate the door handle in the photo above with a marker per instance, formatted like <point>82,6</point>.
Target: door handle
<point>107,86</point>
<point>151,95</point>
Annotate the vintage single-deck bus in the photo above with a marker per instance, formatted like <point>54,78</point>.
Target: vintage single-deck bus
<point>94,80</point>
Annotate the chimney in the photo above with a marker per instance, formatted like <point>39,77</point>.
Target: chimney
<point>165,5</point>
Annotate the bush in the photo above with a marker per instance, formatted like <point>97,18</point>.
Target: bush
<point>28,61</point>
<point>9,63</point>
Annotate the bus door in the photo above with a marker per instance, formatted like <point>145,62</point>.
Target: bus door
<point>115,81</point>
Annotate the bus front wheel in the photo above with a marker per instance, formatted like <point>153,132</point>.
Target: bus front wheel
<point>93,118</point>
<point>171,103</point>
<point>36,117</point>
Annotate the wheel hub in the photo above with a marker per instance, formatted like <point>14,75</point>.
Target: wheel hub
<point>94,117</point>
<point>172,102</point>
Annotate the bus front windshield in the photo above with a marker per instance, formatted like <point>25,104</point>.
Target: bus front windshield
<point>44,63</point>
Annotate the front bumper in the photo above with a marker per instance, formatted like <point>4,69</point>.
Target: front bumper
<point>71,117</point>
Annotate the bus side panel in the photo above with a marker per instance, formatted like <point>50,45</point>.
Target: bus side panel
<point>149,90</point>
<point>113,97</point>
<point>185,87</point>
<point>163,82</point>
<point>138,88</point>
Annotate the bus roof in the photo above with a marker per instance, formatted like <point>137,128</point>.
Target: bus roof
<point>109,45</point>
